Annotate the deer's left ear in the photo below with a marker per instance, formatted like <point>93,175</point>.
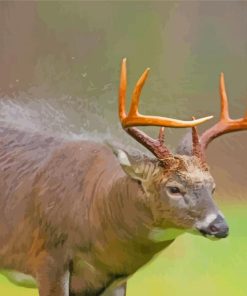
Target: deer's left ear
<point>131,166</point>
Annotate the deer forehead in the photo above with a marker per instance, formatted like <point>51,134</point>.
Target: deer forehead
<point>196,178</point>
<point>188,163</point>
<point>192,172</point>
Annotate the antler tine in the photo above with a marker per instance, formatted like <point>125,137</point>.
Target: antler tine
<point>195,141</point>
<point>162,135</point>
<point>225,124</point>
<point>224,115</point>
<point>122,91</point>
<point>197,149</point>
<point>136,94</point>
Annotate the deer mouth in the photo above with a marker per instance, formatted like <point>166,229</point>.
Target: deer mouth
<point>212,235</point>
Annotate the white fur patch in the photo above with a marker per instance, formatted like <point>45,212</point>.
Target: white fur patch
<point>198,233</point>
<point>65,283</point>
<point>123,158</point>
<point>159,234</point>
<point>205,223</point>
<point>19,278</point>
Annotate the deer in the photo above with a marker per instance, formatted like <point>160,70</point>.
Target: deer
<point>78,217</point>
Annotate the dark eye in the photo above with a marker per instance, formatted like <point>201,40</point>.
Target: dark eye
<point>213,190</point>
<point>174,190</point>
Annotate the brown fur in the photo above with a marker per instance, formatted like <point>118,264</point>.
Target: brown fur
<point>68,206</point>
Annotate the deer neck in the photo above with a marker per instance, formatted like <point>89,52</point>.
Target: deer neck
<point>130,217</point>
<point>124,227</point>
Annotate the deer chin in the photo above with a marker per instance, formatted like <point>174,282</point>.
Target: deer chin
<point>212,237</point>
<point>158,234</point>
<point>197,232</point>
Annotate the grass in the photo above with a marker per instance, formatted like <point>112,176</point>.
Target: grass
<point>191,266</point>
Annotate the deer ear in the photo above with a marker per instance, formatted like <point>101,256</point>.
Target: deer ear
<point>131,166</point>
<point>185,145</point>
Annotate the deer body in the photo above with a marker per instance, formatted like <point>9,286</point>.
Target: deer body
<point>71,198</point>
<point>68,207</point>
<point>81,217</point>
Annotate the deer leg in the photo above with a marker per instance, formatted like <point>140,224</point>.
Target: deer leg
<point>56,287</point>
<point>119,291</point>
<point>53,278</point>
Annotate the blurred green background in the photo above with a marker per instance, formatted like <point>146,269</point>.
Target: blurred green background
<point>59,71</point>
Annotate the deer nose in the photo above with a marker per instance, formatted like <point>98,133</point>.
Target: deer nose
<point>217,228</point>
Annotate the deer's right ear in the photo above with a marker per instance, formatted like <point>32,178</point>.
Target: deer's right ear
<point>185,145</point>
<point>131,167</point>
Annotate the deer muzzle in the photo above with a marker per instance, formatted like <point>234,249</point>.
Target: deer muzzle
<point>216,227</point>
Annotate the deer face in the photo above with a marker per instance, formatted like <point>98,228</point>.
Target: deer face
<point>179,195</point>
<point>188,198</point>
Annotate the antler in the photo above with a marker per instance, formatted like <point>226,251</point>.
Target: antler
<point>156,146</point>
<point>225,124</point>
<point>134,118</point>
<point>197,149</point>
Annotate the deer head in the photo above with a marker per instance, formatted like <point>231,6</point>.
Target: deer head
<point>177,188</point>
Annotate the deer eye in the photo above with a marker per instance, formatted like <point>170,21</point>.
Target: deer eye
<point>174,190</point>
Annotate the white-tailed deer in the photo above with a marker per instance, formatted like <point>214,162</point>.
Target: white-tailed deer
<point>81,217</point>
